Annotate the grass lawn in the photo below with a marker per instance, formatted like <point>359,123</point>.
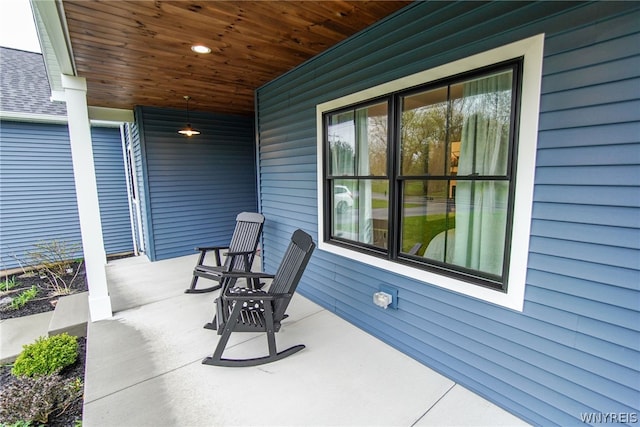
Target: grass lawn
<point>422,229</point>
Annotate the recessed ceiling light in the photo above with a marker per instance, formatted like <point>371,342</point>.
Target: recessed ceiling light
<point>198,48</point>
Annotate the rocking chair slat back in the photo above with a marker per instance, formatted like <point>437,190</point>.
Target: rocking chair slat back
<point>244,239</point>
<point>290,270</point>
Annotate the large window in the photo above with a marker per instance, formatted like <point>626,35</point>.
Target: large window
<point>431,176</point>
<point>445,205</point>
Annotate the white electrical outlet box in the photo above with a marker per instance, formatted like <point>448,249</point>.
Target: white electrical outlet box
<point>382,299</point>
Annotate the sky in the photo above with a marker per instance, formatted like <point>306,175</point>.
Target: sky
<point>17,29</point>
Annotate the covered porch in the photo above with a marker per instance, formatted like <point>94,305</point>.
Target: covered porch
<point>143,366</point>
<point>563,350</point>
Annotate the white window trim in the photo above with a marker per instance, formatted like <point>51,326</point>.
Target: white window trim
<point>532,51</point>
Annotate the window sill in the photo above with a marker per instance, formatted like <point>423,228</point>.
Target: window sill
<point>512,299</point>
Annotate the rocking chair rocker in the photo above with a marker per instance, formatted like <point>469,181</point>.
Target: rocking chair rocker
<point>253,310</point>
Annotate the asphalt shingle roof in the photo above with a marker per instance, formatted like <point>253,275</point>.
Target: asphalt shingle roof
<point>24,87</point>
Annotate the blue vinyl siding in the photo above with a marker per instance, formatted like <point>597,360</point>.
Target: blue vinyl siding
<point>194,187</point>
<point>576,346</point>
<point>37,190</point>
<point>112,190</point>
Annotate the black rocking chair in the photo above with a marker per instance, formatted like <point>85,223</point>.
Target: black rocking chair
<point>253,310</point>
<point>239,255</point>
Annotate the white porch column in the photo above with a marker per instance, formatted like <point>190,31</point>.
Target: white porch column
<point>75,90</point>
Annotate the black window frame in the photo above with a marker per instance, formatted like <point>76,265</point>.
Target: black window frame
<point>393,252</point>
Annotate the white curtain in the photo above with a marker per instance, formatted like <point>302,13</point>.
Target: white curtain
<point>365,211</point>
<point>358,221</point>
<point>342,145</point>
<point>481,206</point>
<point>342,157</point>
<point>349,157</point>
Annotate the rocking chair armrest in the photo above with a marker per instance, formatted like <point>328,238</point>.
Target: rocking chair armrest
<point>236,274</point>
<point>253,297</point>
<point>203,252</point>
<point>210,248</point>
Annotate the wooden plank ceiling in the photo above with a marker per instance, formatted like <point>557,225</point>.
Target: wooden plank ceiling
<point>139,52</point>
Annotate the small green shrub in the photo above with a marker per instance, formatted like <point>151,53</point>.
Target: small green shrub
<point>24,298</point>
<point>7,284</point>
<point>46,356</point>
<point>33,400</point>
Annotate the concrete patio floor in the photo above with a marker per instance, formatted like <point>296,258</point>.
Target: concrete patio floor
<point>144,367</point>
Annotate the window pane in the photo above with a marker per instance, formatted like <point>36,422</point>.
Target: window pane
<point>372,140</point>
<point>358,142</point>
<point>424,133</point>
<point>342,143</point>
<point>361,211</point>
<point>482,111</point>
<point>426,213</point>
<point>468,231</point>
<point>481,223</point>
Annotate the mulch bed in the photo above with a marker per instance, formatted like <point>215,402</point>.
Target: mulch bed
<point>73,413</point>
<point>43,302</point>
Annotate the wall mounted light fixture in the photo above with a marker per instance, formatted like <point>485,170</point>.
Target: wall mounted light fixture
<point>188,130</point>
